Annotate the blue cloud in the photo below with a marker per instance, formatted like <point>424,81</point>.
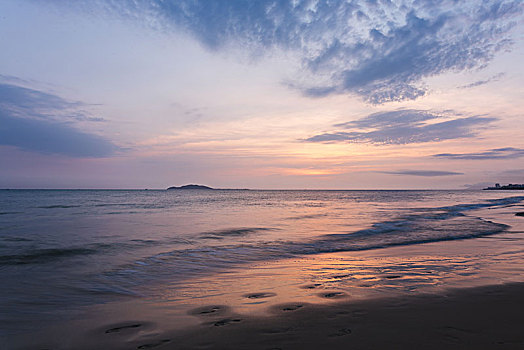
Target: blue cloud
<point>19,101</point>
<point>37,121</point>
<point>403,127</point>
<point>496,77</point>
<point>380,50</point>
<point>496,153</point>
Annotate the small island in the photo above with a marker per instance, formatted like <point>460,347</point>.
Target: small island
<point>506,187</point>
<point>190,187</point>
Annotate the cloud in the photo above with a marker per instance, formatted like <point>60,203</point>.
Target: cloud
<point>496,77</point>
<point>37,121</point>
<point>496,153</point>
<point>403,127</point>
<point>12,79</point>
<point>20,101</point>
<point>380,50</point>
<point>428,173</point>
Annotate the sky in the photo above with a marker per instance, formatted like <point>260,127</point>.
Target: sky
<point>356,94</point>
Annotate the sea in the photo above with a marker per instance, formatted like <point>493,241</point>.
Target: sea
<point>63,252</point>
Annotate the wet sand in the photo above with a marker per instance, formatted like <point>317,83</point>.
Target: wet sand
<point>488,317</point>
<point>479,318</point>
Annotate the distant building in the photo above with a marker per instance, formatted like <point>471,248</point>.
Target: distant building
<point>507,187</point>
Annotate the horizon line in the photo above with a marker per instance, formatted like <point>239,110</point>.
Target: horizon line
<point>241,189</point>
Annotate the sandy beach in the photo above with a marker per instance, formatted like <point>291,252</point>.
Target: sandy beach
<point>487,317</point>
<point>479,318</point>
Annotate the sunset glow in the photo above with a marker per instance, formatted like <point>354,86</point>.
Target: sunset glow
<point>299,94</point>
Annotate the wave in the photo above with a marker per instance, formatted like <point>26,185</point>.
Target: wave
<point>239,232</point>
<point>59,206</point>
<point>103,205</point>
<point>16,239</point>
<point>407,232</point>
<point>49,255</point>
<point>500,202</point>
<point>43,255</point>
<point>428,225</point>
<point>132,205</point>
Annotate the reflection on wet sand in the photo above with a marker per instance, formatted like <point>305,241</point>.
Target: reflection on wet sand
<point>330,277</point>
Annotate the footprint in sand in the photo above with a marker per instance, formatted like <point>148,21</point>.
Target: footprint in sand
<point>259,295</point>
<point>123,328</point>
<point>343,313</point>
<point>208,310</point>
<point>153,345</point>
<point>340,333</point>
<point>453,334</point>
<point>333,295</point>
<point>292,307</point>
<point>226,321</point>
<point>277,330</point>
<point>359,313</point>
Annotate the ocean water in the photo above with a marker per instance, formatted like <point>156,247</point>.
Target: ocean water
<point>63,250</point>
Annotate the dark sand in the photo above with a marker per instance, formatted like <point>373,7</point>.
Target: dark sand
<point>476,318</point>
